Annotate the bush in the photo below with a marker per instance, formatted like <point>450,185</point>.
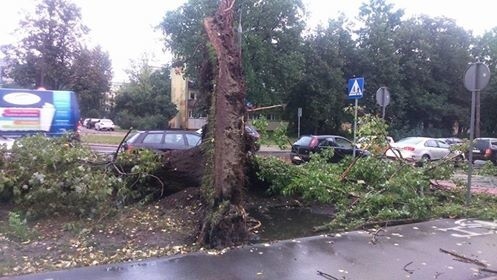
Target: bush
<point>372,190</point>
<point>17,228</point>
<point>275,173</point>
<point>137,170</point>
<point>50,176</point>
<point>127,120</point>
<point>54,176</point>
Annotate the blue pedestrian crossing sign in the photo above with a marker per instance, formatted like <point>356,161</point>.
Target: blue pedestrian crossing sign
<point>355,88</point>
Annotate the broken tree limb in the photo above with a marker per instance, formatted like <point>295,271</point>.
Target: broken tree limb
<point>347,171</point>
<point>375,235</point>
<point>410,271</point>
<point>462,258</point>
<point>326,275</point>
<point>387,223</point>
<point>488,270</point>
<point>266,108</point>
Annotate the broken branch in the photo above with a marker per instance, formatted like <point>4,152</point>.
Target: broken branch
<point>326,275</point>
<point>375,234</point>
<point>410,271</point>
<point>462,258</point>
<point>488,270</point>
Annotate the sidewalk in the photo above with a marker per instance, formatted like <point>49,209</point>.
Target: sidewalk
<point>479,184</point>
<point>439,249</point>
<point>273,149</point>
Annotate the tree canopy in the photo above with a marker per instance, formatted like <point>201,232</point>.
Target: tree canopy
<point>421,60</point>
<point>51,54</point>
<point>145,102</point>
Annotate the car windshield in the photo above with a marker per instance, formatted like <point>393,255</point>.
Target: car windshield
<point>410,140</point>
<point>304,141</point>
<point>132,139</point>
<point>250,129</point>
<point>483,143</point>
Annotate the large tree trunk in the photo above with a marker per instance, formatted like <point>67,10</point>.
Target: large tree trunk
<point>224,179</point>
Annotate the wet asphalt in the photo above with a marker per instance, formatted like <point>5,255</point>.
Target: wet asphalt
<point>438,249</point>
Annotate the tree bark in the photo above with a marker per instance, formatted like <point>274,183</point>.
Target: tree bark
<point>225,159</point>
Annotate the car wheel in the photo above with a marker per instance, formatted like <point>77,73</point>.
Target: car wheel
<point>424,159</point>
<point>458,160</point>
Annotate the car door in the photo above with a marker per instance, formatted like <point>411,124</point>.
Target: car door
<point>153,140</point>
<point>343,148</point>
<point>175,140</point>
<point>443,149</point>
<point>430,149</point>
<point>193,140</point>
<point>323,145</point>
<point>479,148</point>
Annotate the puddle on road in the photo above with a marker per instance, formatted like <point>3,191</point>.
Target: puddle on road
<point>286,223</point>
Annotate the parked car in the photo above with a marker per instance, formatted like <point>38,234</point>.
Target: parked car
<point>364,142</point>
<point>249,129</point>
<point>163,140</point>
<point>90,122</point>
<point>251,132</point>
<point>302,148</point>
<point>104,124</point>
<point>420,149</point>
<point>452,141</point>
<point>485,149</point>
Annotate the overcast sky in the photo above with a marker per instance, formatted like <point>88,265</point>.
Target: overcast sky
<point>125,29</point>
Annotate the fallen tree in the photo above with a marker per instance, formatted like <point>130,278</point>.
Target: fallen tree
<point>225,222</point>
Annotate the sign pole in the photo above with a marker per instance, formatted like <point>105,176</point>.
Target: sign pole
<point>355,91</point>
<point>383,102</point>
<point>299,114</point>
<point>471,138</point>
<point>472,135</point>
<point>355,127</point>
<point>476,78</point>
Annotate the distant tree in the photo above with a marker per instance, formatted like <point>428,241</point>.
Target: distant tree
<point>50,42</point>
<point>185,36</point>
<point>434,54</point>
<point>320,91</point>
<point>145,101</point>
<point>91,77</point>
<point>486,51</point>
<point>271,41</point>
<point>377,57</point>
<point>51,55</point>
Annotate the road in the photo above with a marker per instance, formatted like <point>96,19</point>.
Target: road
<point>267,150</point>
<point>439,249</point>
<point>103,149</point>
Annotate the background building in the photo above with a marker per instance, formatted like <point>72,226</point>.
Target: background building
<point>185,97</point>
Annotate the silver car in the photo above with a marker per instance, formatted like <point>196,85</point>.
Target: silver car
<point>418,149</point>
